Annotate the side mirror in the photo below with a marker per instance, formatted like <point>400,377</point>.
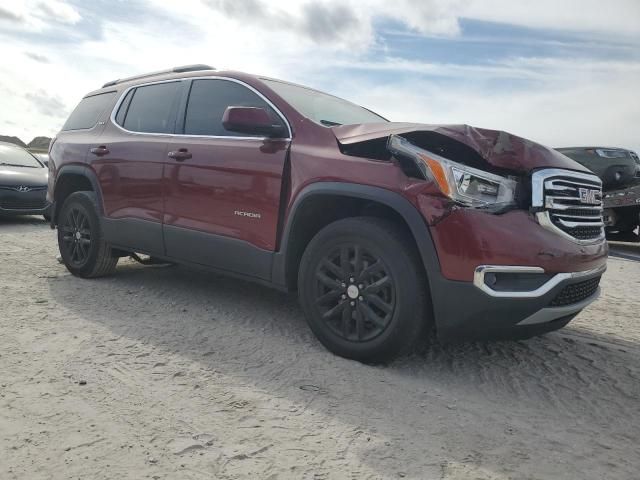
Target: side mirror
<point>251,120</point>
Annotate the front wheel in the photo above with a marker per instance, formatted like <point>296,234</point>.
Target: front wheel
<point>362,289</point>
<point>80,240</point>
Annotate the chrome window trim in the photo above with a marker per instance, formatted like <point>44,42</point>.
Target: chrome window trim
<point>123,95</point>
<point>482,270</point>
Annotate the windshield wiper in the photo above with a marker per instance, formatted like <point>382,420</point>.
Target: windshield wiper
<point>15,165</point>
<point>329,123</point>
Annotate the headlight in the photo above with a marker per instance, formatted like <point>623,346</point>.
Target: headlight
<point>466,185</point>
<point>611,153</point>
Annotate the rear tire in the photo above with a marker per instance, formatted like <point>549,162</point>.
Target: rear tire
<point>80,238</point>
<point>362,289</point>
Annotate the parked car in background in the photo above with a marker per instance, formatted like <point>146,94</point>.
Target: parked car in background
<point>619,170</point>
<point>23,182</point>
<point>386,230</point>
<point>43,157</point>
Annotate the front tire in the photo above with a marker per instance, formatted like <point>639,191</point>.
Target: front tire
<point>362,289</point>
<point>80,238</point>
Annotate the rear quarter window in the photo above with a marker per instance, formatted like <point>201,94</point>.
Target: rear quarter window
<point>88,111</point>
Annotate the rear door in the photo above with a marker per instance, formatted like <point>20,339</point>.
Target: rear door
<point>129,161</point>
<point>222,203</point>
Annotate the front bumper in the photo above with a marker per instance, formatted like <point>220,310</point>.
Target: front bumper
<point>14,203</point>
<point>475,310</point>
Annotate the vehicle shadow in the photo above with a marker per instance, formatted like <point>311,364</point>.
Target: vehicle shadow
<point>491,409</point>
<point>22,220</point>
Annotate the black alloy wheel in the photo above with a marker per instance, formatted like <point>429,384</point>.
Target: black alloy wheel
<point>355,292</point>
<point>83,249</point>
<point>362,288</point>
<point>76,236</point>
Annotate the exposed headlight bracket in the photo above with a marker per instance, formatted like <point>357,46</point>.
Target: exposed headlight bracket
<point>467,186</point>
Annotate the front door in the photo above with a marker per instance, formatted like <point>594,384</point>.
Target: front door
<point>222,194</point>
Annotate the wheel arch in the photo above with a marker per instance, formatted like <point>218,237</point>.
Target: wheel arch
<point>318,201</point>
<point>74,178</point>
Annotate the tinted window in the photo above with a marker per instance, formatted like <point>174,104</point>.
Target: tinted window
<point>88,111</point>
<point>151,108</point>
<point>15,156</point>
<point>321,107</point>
<point>209,99</point>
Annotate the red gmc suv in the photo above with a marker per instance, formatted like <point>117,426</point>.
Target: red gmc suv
<point>386,230</point>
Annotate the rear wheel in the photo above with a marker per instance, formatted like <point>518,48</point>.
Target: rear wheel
<point>362,289</point>
<point>80,239</point>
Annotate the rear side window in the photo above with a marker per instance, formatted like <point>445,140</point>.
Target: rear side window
<point>209,99</point>
<point>88,111</point>
<point>151,109</point>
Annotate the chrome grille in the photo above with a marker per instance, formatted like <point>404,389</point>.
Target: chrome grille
<point>569,203</point>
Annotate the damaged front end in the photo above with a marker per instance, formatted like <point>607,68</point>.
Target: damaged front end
<point>469,167</point>
<point>465,185</point>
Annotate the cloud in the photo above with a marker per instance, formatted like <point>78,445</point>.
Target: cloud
<point>40,15</point>
<point>340,24</point>
<point>324,23</point>
<point>37,57</point>
<point>59,11</point>
<point>615,17</point>
<point>567,103</point>
<point>46,104</point>
<point>243,9</point>
<point>317,21</point>
<point>572,91</point>
<point>6,14</point>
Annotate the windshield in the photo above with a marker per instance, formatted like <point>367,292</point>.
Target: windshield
<point>321,107</point>
<point>18,157</point>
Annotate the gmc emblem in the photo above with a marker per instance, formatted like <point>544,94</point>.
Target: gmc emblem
<point>587,195</point>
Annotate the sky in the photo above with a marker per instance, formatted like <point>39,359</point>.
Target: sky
<point>560,72</point>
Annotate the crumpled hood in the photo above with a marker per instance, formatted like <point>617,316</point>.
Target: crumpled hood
<point>500,149</point>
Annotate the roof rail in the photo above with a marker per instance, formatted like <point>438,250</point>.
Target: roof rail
<point>182,69</point>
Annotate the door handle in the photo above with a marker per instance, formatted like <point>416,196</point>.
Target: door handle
<point>99,151</point>
<point>180,155</point>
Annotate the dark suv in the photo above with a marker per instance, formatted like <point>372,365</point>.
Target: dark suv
<point>619,170</point>
<point>386,230</point>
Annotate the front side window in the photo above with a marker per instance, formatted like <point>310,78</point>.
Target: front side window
<point>322,108</point>
<point>208,101</point>
<point>150,109</point>
<point>14,156</point>
<point>88,111</point>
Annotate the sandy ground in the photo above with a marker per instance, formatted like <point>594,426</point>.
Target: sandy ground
<point>171,373</point>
